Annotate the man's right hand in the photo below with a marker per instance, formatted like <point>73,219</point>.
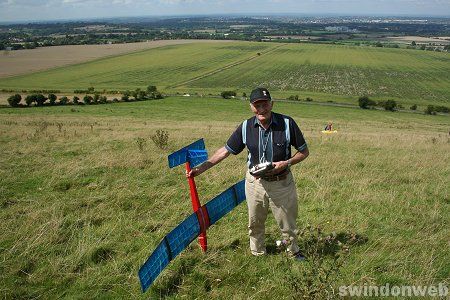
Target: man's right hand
<point>194,172</point>
<point>218,156</point>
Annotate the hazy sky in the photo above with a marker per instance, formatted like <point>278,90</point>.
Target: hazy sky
<point>16,10</point>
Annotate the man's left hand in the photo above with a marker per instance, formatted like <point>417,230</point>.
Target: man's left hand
<point>279,167</point>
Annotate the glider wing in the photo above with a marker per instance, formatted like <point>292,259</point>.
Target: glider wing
<point>179,238</point>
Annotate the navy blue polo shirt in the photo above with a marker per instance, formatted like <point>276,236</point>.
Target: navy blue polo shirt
<point>271,145</point>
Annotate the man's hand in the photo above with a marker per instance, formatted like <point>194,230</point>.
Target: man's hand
<point>279,166</point>
<point>217,157</point>
<point>194,172</point>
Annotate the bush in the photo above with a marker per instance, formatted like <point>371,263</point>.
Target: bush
<point>390,105</point>
<point>52,98</point>
<point>443,109</point>
<point>308,99</point>
<point>430,110</point>
<point>63,100</point>
<point>75,100</point>
<point>161,139</point>
<point>157,95</point>
<point>103,100</point>
<point>96,98</point>
<point>413,107</point>
<point>87,99</point>
<point>30,99</point>
<point>14,100</point>
<point>126,96</point>
<point>364,102</point>
<point>151,89</point>
<point>228,94</point>
<point>40,99</point>
<point>293,97</point>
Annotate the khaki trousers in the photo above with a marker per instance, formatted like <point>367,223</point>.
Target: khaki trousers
<point>282,198</point>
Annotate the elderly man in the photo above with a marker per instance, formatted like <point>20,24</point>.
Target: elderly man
<point>268,137</point>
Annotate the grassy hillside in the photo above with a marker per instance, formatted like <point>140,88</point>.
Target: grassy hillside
<point>323,72</point>
<point>85,196</point>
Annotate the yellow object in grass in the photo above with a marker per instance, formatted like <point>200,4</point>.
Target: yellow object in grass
<point>329,131</point>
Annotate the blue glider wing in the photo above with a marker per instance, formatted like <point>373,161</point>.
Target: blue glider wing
<point>179,238</point>
<point>171,245</point>
<point>225,202</point>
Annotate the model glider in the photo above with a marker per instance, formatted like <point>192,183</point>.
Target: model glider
<point>197,223</point>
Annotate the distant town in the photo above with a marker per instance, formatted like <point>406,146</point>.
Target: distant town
<point>424,33</point>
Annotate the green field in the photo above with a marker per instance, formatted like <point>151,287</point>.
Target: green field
<point>85,196</point>
<point>323,72</point>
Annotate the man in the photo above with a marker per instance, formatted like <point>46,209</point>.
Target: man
<point>329,126</point>
<point>268,137</point>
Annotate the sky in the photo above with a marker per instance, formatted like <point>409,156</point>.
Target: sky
<point>31,10</point>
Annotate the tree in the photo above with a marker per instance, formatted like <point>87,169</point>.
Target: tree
<point>157,95</point>
<point>430,110</point>
<point>390,105</point>
<point>75,100</point>
<point>52,98</point>
<point>293,98</point>
<point>364,102</point>
<point>30,99</point>
<point>151,89</point>
<point>134,93</point>
<point>413,107</point>
<point>63,100</point>
<point>87,99</point>
<point>141,95</point>
<point>228,94</point>
<point>96,98</point>
<point>153,93</point>
<point>40,99</point>
<point>413,43</point>
<point>103,100</point>
<point>14,100</point>
<point>125,97</point>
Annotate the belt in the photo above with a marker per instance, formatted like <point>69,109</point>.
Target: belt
<point>282,176</point>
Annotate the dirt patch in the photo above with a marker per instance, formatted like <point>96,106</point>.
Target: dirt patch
<point>26,61</point>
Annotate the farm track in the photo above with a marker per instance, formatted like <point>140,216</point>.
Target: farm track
<point>240,62</point>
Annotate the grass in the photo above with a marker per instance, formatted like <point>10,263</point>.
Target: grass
<point>337,73</point>
<point>86,196</point>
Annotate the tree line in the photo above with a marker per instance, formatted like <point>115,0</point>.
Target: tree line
<point>391,105</point>
<point>39,99</point>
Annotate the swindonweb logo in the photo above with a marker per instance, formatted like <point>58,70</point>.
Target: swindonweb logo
<point>440,290</point>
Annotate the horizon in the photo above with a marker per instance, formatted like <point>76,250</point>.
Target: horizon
<point>24,11</point>
<point>298,15</point>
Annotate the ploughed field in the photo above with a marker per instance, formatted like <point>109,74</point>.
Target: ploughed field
<point>86,195</point>
<point>26,61</point>
<point>322,72</point>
